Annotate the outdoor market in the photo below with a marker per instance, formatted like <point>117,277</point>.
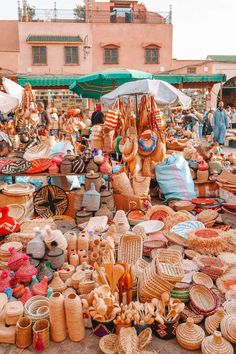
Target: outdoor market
<point>120,225</point>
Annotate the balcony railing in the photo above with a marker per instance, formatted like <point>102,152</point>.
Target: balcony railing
<point>95,16</point>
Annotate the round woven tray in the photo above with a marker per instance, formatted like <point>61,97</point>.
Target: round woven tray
<point>202,299</point>
<point>203,279</point>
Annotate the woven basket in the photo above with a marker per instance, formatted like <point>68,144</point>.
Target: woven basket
<point>66,271</point>
<point>41,335</point>
<point>202,299</point>
<point>141,185</point>
<point>74,317</point>
<point>190,335</point>
<point>228,328</point>
<point>169,265</point>
<point>204,279</point>
<point>57,317</point>
<point>130,248</point>
<point>23,332</point>
<point>212,323</point>
<point>32,306</point>
<point>13,311</point>
<point>187,313</point>
<point>216,344</point>
<point>121,184</point>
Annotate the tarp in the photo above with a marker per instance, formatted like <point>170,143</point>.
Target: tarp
<point>13,89</point>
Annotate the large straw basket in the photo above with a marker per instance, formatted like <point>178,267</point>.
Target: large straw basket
<point>74,317</point>
<point>23,332</point>
<point>57,317</point>
<point>141,185</point>
<point>121,183</point>
<point>41,335</point>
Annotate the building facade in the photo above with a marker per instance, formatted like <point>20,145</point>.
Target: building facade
<point>47,46</point>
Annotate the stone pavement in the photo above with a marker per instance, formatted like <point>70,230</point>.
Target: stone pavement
<point>90,346</point>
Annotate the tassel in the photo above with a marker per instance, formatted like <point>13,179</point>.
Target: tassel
<point>39,344</point>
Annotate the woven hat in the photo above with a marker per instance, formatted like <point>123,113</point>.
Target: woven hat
<point>147,143</point>
<point>130,156</point>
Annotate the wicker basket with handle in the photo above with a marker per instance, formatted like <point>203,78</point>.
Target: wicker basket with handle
<point>41,335</point>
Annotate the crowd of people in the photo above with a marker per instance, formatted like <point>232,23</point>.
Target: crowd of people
<point>212,124</point>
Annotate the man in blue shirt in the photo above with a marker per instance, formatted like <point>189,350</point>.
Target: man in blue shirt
<point>220,123</point>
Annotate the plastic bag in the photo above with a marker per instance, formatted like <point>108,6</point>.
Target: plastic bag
<point>174,178</point>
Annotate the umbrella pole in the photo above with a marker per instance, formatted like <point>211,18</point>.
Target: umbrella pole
<point>137,111</point>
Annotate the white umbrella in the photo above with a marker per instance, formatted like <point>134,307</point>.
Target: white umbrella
<point>164,93</point>
<point>7,103</point>
<point>13,89</point>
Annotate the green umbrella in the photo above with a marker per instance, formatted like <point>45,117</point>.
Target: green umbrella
<point>99,83</point>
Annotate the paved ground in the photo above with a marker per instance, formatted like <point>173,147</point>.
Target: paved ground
<point>90,346</point>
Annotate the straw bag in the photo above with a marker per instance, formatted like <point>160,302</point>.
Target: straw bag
<point>41,335</point>
<point>112,116</point>
<point>143,115</point>
<point>157,118</point>
<point>141,185</point>
<point>121,183</point>
<point>147,143</point>
<point>23,332</point>
<point>74,317</point>
<point>159,152</point>
<point>108,141</point>
<point>148,168</point>
<point>57,317</point>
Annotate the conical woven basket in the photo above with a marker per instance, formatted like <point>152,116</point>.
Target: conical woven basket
<point>190,335</point>
<point>57,283</point>
<point>57,317</point>
<point>228,328</point>
<point>216,344</point>
<point>23,332</point>
<point>212,323</point>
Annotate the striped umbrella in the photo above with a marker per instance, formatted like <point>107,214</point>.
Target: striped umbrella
<point>99,83</point>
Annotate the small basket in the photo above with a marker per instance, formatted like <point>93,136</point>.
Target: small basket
<point>166,330</point>
<point>41,335</point>
<point>203,300</point>
<point>130,248</point>
<point>169,265</point>
<point>101,329</point>
<point>66,271</point>
<point>203,279</point>
<point>23,332</point>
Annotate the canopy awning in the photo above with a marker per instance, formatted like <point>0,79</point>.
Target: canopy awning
<point>48,80</point>
<point>66,81</point>
<point>177,79</point>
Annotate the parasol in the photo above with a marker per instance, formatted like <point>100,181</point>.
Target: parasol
<point>99,83</point>
<point>164,93</point>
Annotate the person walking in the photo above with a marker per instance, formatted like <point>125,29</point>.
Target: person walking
<point>44,124</point>
<point>208,125</point>
<point>233,117</point>
<point>220,123</point>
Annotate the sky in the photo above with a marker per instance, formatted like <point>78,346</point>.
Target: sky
<point>200,27</point>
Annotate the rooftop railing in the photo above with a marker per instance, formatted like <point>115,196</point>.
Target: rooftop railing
<point>95,16</point>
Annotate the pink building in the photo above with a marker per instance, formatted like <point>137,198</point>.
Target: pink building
<point>50,48</point>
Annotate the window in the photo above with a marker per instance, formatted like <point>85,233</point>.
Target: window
<point>151,55</point>
<point>111,55</point>
<point>71,55</point>
<point>191,70</point>
<point>39,55</point>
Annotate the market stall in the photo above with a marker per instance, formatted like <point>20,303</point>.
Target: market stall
<point>99,254</point>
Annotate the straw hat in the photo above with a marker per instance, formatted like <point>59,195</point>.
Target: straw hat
<point>147,143</point>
